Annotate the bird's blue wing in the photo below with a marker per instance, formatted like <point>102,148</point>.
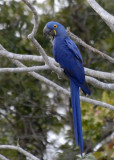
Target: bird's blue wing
<point>72,46</point>
<point>69,57</point>
<point>73,68</point>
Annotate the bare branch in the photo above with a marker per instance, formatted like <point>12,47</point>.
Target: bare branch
<point>89,72</point>
<point>19,149</point>
<point>35,27</point>
<point>62,90</point>
<point>81,42</point>
<point>22,57</point>
<point>99,74</point>
<point>107,17</point>
<point>3,158</point>
<point>102,85</point>
<point>97,103</point>
<point>92,81</point>
<point>36,44</point>
<point>28,69</point>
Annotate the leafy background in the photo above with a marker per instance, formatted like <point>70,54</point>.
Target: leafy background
<point>35,115</point>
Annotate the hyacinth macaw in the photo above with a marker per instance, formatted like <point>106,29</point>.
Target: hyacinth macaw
<point>66,53</point>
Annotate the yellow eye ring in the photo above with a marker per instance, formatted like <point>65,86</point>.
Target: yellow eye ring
<point>55,26</point>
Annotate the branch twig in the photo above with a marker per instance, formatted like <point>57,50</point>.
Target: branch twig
<point>19,149</point>
<point>81,42</point>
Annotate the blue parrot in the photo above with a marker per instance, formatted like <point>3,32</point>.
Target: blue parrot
<point>67,54</point>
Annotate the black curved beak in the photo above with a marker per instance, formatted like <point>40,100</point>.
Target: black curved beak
<point>48,32</point>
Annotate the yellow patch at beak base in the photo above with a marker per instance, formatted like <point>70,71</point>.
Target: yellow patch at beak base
<point>55,32</point>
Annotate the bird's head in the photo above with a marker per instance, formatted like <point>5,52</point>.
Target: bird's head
<point>54,29</point>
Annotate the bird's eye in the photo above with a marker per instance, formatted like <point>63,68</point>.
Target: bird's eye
<point>55,26</point>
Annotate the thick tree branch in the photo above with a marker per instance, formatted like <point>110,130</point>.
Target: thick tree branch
<point>5,53</point>
<point>89,72</point>
<point>59,88</point>
<point>22,57</point>
<point>92,81</point>
<point>81,42</point>
<point>3,157</point>
<point>42,78</point>
<point>19,149</point>
<point>107,17</point>
<point>62,90</point>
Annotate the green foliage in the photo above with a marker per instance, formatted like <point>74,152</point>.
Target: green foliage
<point>27,112</point>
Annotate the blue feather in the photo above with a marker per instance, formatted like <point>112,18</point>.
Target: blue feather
<point>66,53</point>
<point>76,114</point>
<point>73,48</point>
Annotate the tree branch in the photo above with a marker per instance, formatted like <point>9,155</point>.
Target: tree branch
<point>22,57</point>
<point>5,53</point>
<point>99,84</point>
<point>97,103</point>
<point>81,42</point>
<point>34,41</point>
<point>88,71</point>
<point>3,158</point>
<point>99,74</point>
<point>91,80</point>
<point>50,64</point>
<point>28,69</point>
<point>19,149</point>
<point>107,17</point>
<point>62,90</point>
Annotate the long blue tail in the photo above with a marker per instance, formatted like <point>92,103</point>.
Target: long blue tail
<point>76,111</point>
